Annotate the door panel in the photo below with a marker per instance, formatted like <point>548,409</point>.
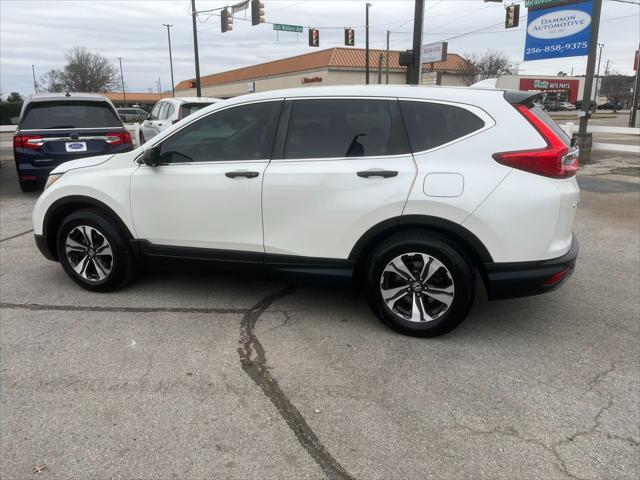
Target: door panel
<point>197,205</point>
<point>206,193</point>
<point>346,166</point>
<point>321,208</point>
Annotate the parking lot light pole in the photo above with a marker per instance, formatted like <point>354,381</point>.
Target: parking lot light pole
<point>366,60</point>
<point>124,95</point>
<point>35,84</point>
<point>173,88</point>
<point>194,14</point>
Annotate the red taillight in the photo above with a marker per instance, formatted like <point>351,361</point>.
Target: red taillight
<point>557,277</point>
<point>555,161</point>
<point>28,141</point>
<point>118,138</point>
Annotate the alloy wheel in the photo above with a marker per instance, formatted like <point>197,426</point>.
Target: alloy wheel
<point>417,287</point>
<point>89,253</point>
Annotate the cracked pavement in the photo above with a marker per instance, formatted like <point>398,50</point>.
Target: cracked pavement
<point>194,375</point>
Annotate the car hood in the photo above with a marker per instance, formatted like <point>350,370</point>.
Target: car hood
<point>81,163</point>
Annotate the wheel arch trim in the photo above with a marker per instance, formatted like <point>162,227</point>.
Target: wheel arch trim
<point>458,233</point>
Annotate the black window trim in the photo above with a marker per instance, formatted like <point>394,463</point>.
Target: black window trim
<point>473,109</point>
<point>281,137</point>
<point>201,117</point>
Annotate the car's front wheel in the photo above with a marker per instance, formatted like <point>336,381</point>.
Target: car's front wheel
<point>419,285</point>
<point>94,252</point>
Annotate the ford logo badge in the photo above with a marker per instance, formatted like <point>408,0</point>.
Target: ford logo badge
<point>75,146</point>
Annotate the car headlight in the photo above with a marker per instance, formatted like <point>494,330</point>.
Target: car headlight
<point>52,179</point>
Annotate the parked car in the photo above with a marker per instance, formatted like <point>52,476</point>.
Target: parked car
<point>169,111</point>
<point>566,106</point>
<point>408,191</point>
<point>57,127</point>
<point>551,105</point>
<point>132,115</point>
<point>610,106</point>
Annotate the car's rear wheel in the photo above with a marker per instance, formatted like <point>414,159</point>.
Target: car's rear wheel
<point>94,252</point>
<point>419,285</point>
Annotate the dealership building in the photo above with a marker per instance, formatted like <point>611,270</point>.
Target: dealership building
<point>334,66</point>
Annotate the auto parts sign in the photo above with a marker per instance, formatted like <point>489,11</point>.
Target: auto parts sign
<point>558,32</point>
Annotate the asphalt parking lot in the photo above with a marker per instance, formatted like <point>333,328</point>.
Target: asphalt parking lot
<point>219,376</point>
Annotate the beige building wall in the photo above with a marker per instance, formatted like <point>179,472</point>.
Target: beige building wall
<point>294,80</point>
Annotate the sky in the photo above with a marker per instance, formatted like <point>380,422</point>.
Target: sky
<point>40,32</point>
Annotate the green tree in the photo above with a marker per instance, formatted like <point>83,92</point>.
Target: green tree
<point>14,98</point>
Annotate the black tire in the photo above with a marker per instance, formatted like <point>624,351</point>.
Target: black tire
<point>458,273</point>
<point>123,266</point>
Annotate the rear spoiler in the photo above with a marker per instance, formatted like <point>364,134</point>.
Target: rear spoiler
<point>517,97</point>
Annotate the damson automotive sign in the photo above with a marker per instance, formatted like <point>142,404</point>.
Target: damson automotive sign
<point>558,32</point>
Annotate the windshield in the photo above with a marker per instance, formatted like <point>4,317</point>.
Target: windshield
<point>69,114</point>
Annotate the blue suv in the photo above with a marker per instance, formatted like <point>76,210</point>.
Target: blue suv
<point>57,127</point>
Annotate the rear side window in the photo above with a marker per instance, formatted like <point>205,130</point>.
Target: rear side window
<point>344,128</point>
<point>69,114</point>
<point>430,125</point>
<point>189,108</point>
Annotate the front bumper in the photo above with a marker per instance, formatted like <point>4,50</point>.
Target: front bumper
<point>522,279</point>
<point>43,246</point>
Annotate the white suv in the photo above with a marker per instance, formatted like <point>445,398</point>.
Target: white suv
<point>169,111</point>
<point>409,190</point>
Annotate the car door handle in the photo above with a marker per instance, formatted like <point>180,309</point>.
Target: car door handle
<point>377,173</point>
<point>241,173</point>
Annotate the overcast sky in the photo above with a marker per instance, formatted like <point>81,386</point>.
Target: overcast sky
<point>40,32</point>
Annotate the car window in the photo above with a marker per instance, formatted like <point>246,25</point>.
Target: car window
<point>69,114</point>
<point>245,132</point>
<point>189,108</point>
<point>156,111</point>
<point>168,112</point>
<point>163,111</point>
<point>336,128</point>
<point>430,125</point>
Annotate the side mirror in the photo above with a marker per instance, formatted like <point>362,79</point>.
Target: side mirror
<point>151,157</point>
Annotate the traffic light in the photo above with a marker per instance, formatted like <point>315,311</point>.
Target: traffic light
<point>349,37</point>
<point>226,20</point>
<point>513,16</point>
<point>314,37</point>
<point>257,12</point>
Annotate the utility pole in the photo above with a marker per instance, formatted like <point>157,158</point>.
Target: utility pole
<point>418,18</point>
<point>173,88</point>
<point>194,14</point>
<point>366,61</point>
<point>635,104</point>
<point>583,139</point>
<point>387,59</point>
<point>35,84</point>
<point>595,90</point>
<point>159,87</point>
<point>124,95</point>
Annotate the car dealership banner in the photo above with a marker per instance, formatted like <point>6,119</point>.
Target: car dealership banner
<point>558,32</point>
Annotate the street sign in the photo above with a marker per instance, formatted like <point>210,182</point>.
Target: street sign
<point>538,4</point>
<point>283,27</point>
<point>558,32</point>
<point>434,52</point>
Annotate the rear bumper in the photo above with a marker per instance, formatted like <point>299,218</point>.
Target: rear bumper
<point>43,246</point>
<point>522,279</point>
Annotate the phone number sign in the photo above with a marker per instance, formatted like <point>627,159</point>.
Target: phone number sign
<point>558,32</point>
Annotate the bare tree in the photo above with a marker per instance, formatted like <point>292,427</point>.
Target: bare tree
<point>87,72</point>
<point>51,81</point>
<point>488,64</point>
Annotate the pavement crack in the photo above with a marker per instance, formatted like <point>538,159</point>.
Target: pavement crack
<point>15,236</point>
<point>253,360</point>
<point>89,308</point>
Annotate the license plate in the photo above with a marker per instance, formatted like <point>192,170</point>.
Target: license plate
<point>76,146</point>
